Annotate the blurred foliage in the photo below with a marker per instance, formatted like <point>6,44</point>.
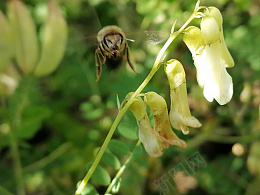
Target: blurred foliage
<point>61,120</point>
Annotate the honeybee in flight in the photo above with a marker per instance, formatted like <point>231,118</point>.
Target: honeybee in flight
<point>112,48</point>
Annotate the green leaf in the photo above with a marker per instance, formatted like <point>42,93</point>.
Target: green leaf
<point>118,147</point>
<point>128,131</point>
<point>138,151</point>
<point>31,121</point>
<point>145,7</point>
<point>100,175</point>
<point>27,129</point>
<point>111,160</point>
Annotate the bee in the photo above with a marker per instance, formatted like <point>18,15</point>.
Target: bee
<point>112,48</point>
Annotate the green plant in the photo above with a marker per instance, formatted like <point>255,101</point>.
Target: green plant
<point>154,140</point>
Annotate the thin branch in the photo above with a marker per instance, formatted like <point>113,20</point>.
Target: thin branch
<point>48,159</point>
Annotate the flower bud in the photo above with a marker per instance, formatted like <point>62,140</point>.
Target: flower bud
<point>54,38</point>
<point>24,36</point>
<point>162,125</point>
<point>146,133</point>
<point>6,44</point>
<point>180,116</point>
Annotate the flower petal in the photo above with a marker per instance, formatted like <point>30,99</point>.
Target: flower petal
<point>209,29</point>
<point>162,125</point>
<point>212,73</point>
<point>149,139</point>
<point>193,39</point>
<point>225,55</point>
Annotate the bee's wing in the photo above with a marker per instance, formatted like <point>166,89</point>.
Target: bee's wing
<point>147,38</point>
<point>155,37</point>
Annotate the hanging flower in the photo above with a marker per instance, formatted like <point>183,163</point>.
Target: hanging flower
<point>146,133</point>
<point>211,57</point>
<point>162,126</point>
<point>180,116</point>
<point>161,135</point>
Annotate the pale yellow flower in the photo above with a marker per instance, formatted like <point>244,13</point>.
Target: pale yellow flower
<point>211,57</point>
<point>146,133</point>
<point>180,116</point>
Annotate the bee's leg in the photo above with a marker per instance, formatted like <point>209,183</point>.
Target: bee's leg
<point>100,60</point>
<point>126,58</point>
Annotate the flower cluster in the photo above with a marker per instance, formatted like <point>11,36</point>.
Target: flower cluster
<point>160,136</point>
<point>18,40</point>
<point>211,58</point>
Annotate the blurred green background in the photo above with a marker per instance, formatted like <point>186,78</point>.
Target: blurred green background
<point>66,116</point>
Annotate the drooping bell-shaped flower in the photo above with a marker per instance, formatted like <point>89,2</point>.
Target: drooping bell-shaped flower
<point>180,116</point>
<point>211,57</point>
<point>162,126</point>
<point>146,133</point>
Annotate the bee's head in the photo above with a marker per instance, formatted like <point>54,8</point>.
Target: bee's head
<point>113,41</point>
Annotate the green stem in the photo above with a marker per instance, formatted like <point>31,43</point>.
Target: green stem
<point>122,111</point>
<point>121,170</point>
<point>17,168</point>
<point>48,159</point>
<point>15,122</point>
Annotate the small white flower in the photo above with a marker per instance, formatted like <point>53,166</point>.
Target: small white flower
<point>211,57</point>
